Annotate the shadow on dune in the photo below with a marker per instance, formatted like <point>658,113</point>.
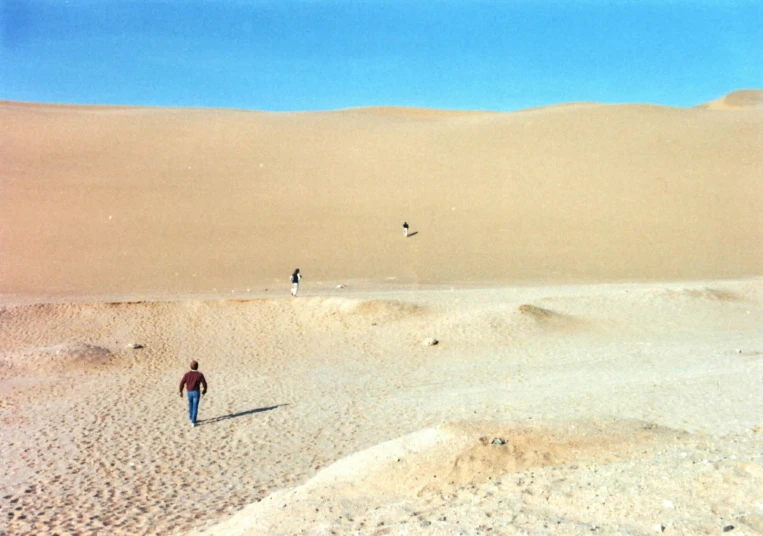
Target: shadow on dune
<point>239,414</point>
<point>414,233</point>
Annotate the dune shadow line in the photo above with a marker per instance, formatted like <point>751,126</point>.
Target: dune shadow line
<point>239,414</point>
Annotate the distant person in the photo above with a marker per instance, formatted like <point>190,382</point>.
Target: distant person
<point>405,229</point>
<point>192,381</point>
<point>295,277</point>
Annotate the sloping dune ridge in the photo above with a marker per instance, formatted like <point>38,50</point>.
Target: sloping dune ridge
<point>567,343</point>
<point>138,201</point>
<point>737,100</point>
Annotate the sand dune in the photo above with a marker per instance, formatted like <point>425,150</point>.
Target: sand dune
<point>592,275</point>
<point>120,202</point>
<point>741,99</point>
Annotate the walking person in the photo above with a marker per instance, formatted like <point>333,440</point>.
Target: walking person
<point>295,277</point>
<point>405,229</point>
<point>193,380</point>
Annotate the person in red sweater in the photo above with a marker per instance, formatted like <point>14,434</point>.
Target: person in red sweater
<point>192,381</point>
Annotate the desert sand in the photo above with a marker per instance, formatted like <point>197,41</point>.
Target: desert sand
<point>117,203</point>
<point>591,274</point>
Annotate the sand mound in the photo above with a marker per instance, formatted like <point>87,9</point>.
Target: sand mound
<point>500,324</point>
<point>438,462</point>
<point>67,356</point>
<point>741,99</point>
<point>538,313</point>
<point>547,318</point>
<point>459,454</point>
<point>706,294</point>
<point>388,310</point>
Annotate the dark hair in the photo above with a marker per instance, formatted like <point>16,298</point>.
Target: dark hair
<point>296,272</point>
<point>194,365</point>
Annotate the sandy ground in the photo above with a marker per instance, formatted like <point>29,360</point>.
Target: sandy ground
<point>592,274</point>
<point>118,203</point>
<point>622,407</point>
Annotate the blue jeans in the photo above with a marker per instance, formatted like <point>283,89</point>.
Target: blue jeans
<point>193,404</point>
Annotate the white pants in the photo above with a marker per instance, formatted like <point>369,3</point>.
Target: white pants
<point>294,288</point>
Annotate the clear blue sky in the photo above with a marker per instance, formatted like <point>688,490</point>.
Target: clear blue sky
<point>283,55</point>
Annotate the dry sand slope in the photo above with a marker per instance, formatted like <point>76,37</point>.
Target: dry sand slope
<point>618,408</point>
<point>162,202</point>
<point>622,408</point>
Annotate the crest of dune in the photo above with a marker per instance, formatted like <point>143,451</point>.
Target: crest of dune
<point>741,99</point>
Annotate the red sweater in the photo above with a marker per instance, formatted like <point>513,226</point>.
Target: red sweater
<point>191,380</point>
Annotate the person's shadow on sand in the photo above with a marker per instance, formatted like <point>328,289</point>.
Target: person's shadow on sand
<point>414,233</point>
<point>239,414</point>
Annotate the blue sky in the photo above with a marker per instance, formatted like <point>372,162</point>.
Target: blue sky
<point>287,55</point>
